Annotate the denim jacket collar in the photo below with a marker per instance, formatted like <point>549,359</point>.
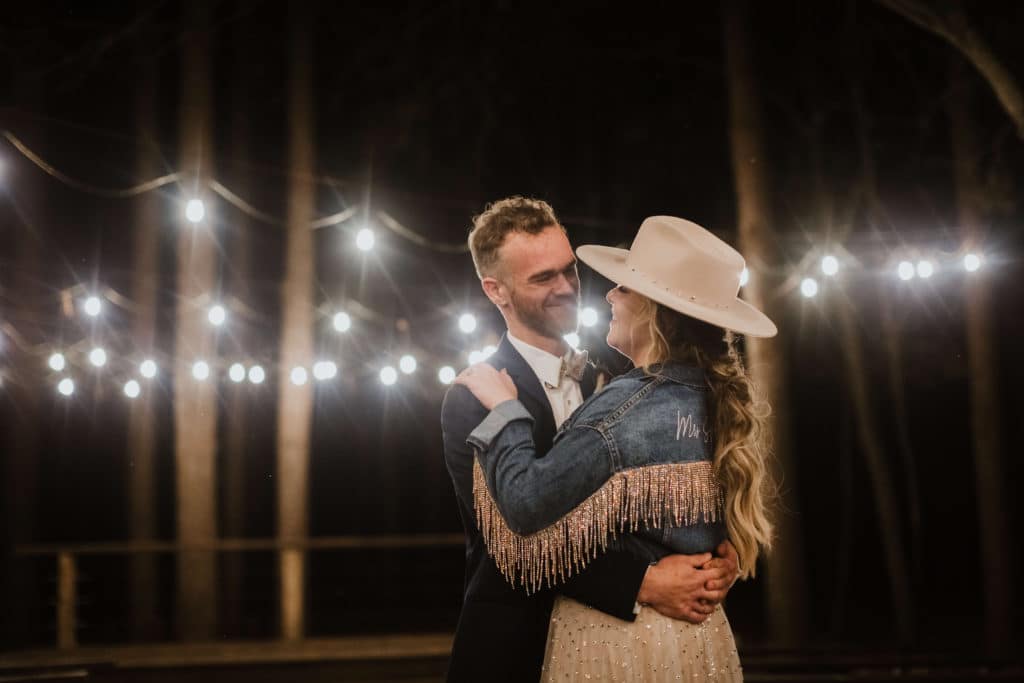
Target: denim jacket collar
<point>680,373</point>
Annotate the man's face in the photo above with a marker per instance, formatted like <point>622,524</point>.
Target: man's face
<point>539,272</point>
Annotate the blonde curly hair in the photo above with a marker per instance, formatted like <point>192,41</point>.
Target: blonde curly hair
<point>739,416</point>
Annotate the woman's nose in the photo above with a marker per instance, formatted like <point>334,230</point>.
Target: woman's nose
<point>608,296</point>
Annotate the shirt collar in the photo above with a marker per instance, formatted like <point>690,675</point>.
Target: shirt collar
<point>546,366</point>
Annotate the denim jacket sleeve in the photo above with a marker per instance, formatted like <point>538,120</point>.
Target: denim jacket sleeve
<point>533,492</point>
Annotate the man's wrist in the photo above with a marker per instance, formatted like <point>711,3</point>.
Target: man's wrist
<point>644,595</point>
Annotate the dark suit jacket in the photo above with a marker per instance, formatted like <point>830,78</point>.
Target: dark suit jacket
<point>502,631</point>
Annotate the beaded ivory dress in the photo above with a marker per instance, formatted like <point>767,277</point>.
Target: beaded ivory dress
<point>585,644</point>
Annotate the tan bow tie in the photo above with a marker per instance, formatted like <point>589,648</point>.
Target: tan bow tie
<point>573,365</point>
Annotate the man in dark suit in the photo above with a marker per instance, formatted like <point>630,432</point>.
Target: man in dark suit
<point>528,270</point>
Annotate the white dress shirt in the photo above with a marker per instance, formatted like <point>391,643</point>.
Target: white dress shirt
<point>564,397</point>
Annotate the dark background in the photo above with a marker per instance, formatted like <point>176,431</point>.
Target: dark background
<point>611,112</point>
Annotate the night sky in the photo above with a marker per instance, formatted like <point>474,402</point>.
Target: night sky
<point>428,111</point>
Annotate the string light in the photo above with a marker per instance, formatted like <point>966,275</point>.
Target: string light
<point>194,210</point>
<point>98,357</point>
<point>236,373</point>
<point>365,239</point>
<point>446,374</point>
<point>217,315</point>
<point>475,356</point>
<point>66,386</point>
<point>93,306</point>
<point>132,389</point>
<point>467,322</point>
<point>388,375</point>
<point>488,350</point>
<point>148,369</point>
<point>299,376</point>
<point>325,369</point>
<point>201,370</point>
<point>257,374</point>
<point>342,322</point>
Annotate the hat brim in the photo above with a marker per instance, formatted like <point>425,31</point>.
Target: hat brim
<point>737,315</point>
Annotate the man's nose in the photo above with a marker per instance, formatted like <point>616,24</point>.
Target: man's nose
<point>567,284</point>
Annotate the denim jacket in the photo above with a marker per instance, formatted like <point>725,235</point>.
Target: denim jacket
<point>631,468</point>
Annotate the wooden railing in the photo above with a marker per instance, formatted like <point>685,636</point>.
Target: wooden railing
<point>67,555</point>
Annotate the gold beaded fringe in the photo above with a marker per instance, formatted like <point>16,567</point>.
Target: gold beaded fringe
<point>652,496</point>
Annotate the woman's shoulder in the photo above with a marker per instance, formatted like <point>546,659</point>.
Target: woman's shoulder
<point>670,383</point>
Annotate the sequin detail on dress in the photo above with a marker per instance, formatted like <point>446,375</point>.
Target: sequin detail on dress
<point>652,496</point>
<point>585,644</point>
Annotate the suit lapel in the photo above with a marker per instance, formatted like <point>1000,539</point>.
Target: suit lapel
<point>531,393</point>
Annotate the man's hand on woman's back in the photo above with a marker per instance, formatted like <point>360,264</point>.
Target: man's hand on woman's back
<point>689,587</point>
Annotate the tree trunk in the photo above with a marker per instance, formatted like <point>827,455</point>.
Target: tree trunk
<point>295,403</point>
<point>886,500</point>
<point>994,531</point>
<point>765,357</point>
<point>141,426</point>
<point>24,382</point>
<point>195,402</point>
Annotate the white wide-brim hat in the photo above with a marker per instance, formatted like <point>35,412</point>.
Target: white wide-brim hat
<point>686,268</point>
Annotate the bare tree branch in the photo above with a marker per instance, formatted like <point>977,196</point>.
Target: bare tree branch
<point>949,22</point>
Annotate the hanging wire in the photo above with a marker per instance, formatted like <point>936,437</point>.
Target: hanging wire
<point>224,192</point>
<point>86,187</point>
<point>243,205</point>
<point>399,229</point>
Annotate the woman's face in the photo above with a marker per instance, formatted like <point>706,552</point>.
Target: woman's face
<point>627,332</point>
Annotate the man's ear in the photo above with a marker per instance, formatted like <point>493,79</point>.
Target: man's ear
<point>495,291</point>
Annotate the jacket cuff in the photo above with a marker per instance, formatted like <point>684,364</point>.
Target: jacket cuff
<point>497,420</point>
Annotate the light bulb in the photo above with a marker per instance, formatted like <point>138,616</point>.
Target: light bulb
<point>98,357</point>
<point>407,364</point>
<point>365,239</point>
<point>194,210</point>
<point>257,374</point>
<point>147,369</point>
<point>201,370</point>
<point>342,322</point>
<point>236,373</point>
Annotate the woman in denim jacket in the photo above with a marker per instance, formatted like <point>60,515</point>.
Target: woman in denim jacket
<point>667,458</point>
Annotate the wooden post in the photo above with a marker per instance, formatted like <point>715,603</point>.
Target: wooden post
<point>295,403</point>
<point>67,579</point>
<point>195,401</point>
